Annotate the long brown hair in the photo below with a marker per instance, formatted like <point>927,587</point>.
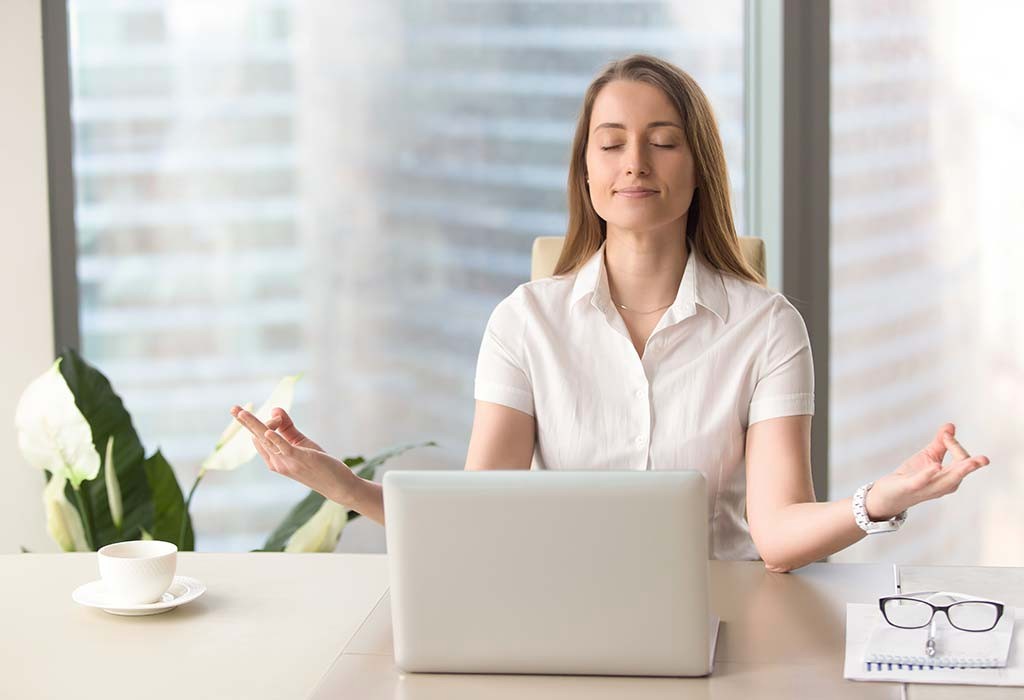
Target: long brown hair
<point>709,226</point>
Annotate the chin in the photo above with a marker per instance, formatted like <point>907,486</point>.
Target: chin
<point>638,223</point>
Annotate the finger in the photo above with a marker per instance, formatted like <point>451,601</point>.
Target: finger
<point>950,477</point>
<point>971,464</point>
<point>287,427</point>
<point>267,457</point>
<point>276,441</point>
<point>936,449</point>
<point>251,422</point>
<point>955,448</point>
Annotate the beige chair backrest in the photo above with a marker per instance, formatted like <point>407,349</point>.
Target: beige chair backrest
<point>546,250</point>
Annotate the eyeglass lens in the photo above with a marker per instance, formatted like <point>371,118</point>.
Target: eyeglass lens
<point>973,616</point>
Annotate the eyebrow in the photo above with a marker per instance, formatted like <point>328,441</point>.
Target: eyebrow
<point>616,125</point>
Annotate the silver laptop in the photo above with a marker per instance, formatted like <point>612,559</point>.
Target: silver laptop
<point>578,572</point>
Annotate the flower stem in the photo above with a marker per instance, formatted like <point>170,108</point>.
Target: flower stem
<point>86,512</point>
<point>188,502</point>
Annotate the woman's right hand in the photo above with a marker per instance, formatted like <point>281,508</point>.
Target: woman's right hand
<point>282,423</point>
<point>287,451</point>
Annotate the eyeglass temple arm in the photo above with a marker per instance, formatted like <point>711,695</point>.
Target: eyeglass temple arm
<point>953,594</point>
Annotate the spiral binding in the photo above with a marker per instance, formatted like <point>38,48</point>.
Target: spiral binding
<point>920,662</point>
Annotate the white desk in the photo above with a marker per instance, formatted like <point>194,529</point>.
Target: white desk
<point>270,625</point>
<point>267,626</point>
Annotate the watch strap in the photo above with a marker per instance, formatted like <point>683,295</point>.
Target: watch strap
<point>860,514</point>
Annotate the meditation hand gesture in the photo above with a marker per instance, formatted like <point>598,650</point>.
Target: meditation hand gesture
<point>923,477</point>
<point>287,451</point>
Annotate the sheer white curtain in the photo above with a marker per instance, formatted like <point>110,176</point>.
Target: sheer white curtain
<point>927,126</point>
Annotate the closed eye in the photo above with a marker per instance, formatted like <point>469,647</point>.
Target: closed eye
<point>656,145</point>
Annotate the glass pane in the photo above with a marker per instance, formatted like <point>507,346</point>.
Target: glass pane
<point>926,260</point>
<point>904,612</point>
<point>342,189</point>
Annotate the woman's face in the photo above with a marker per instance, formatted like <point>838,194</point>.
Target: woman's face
<point>636,143</point>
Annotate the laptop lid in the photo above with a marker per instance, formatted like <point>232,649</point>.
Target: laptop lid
<point>549,572</point>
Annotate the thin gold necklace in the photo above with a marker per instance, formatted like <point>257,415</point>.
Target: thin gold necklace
<point>660,308</point>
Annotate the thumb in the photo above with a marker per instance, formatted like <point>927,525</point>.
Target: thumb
<point>283,424</point>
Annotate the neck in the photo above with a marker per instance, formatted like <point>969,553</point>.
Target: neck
<point>645,268</point>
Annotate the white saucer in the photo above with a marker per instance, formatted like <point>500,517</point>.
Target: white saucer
<point>183,589</point>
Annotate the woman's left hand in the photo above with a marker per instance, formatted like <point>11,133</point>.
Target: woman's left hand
<point>922,477</point>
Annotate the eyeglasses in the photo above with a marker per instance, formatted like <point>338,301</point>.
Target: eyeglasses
<point>967,613</point>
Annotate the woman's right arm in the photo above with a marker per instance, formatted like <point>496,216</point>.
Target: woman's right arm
<point>502,438</point>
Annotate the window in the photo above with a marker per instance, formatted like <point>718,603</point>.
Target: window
<point>343,189</point>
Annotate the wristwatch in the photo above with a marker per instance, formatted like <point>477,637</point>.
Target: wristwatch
<point>872,527</point>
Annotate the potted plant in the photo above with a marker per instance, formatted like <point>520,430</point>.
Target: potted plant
<point>102,488</point>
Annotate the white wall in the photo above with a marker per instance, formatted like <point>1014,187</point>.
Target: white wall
<point>26,341</point>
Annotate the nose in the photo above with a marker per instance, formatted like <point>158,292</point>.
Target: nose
<point>637,164</point>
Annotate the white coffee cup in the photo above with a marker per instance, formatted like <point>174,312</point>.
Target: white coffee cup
<point>139,571</point>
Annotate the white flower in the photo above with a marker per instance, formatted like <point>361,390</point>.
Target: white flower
<point>53,435</point>
<point>235,446</point>
<point>62,520</point>
<point>321,532</point>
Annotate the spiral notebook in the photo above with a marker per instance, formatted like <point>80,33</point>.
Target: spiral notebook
<point>873,654</point>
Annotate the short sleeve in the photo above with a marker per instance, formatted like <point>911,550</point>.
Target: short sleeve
<point>785,385</point>
<point>501,375</point>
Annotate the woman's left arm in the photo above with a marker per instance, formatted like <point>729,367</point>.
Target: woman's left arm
<point>791,530</point>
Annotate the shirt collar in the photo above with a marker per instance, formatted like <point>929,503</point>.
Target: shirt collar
<point>701,284</point>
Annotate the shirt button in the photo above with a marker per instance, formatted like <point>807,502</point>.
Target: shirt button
<point>638,393</point>
<point>640,440</point>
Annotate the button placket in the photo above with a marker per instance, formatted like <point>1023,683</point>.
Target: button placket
<point>641,438</point>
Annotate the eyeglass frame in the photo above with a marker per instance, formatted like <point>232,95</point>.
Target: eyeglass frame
<point>1000,607</point>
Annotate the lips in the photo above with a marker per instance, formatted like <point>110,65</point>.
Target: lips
<point>636,192</point>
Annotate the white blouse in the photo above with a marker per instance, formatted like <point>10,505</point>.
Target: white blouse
<point>727,354</point>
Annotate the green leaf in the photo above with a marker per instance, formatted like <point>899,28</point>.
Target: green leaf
<point>23,550</point>
<point>168,504</point>
<point>235,448</point>
<point>146,535</point>
<point>107,417</point>
<point>53,435</point>
<point>351,462</point>
<point>369,471</point>
<point>296,518</point>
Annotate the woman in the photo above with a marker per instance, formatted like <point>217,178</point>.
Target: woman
<point>655,346</point>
